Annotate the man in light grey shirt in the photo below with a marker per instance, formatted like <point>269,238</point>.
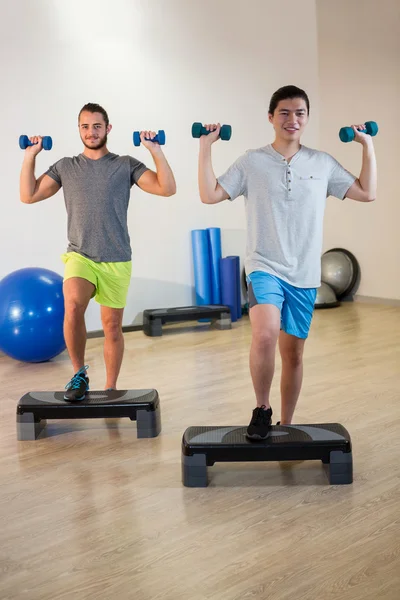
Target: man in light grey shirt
<point>285,186</point>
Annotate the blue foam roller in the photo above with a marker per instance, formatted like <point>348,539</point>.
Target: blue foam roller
<point>201,265</point>
<point>228,285</point>
<point>214,237</point>
<point>236,260</point>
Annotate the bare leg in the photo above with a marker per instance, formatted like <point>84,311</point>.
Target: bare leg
<point>265,324</point>
<point>113,343</point>
<point>291,349</point>
<point>77,294</point>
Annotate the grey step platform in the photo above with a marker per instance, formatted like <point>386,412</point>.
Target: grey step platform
<point>155,318</point>
<point>142,406</point>
<point>328,442</point>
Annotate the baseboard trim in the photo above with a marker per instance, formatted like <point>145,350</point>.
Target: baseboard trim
<point>125,328</point>
<point>377,300</point>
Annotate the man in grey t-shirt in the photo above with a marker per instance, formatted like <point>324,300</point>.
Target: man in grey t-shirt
<point>285,186</point>
<point>97,186</point>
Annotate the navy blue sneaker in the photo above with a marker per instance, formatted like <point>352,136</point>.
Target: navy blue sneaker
<point>260,423</point>
<point>78,386</point>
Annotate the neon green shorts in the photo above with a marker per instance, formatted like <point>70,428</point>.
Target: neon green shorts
<point>110,279</point>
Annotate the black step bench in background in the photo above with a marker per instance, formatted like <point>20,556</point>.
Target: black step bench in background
<point>155,318</point>
<point>328,442</point>
<point>142,406</point>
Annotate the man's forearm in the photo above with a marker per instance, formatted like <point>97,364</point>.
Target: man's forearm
<point>165,176</point>
<point>207,179</point>
<point>368,174</point>
<point>27,182</point>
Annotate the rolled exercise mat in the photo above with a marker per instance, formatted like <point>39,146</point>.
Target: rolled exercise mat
<point>201,265</point>
<point>236,260</point>
<point>214,237</point>
<point>228,285</point>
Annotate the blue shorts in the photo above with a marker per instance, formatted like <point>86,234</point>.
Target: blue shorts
<point>296,304</point>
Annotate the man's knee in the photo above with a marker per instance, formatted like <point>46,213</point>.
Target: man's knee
<point>265,337</point>
<point>77,293</point>
<point>74,309</point>
<point>293,357</point>
<point>265,325</point>
<point>112,328</point>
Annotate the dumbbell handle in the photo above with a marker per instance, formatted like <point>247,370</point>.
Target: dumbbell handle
<point>205,131</point>
<point>154,139</point>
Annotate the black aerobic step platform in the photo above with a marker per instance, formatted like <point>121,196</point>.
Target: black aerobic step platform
<point>142,406</point>
<point>155,318</point>
<point>328,442</point>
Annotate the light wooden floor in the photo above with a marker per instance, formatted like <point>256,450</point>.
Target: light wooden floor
<point>91,512</point>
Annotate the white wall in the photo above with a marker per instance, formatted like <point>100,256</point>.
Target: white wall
<point>160,64</point>
<point>359,74</point>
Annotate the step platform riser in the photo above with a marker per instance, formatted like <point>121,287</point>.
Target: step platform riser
<point>155,318</point>
<point>330,443</point>
<point>36,408</point>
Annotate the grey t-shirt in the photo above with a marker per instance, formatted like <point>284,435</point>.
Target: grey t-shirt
<point>285,204</point>
<point>96,196</point>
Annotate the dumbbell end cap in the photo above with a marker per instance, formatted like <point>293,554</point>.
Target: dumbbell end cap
<point>226,132</point>
<point>47,143</point>
<point>161,137</point>
<point>23,139</point>
<point>372,127</point>
<point>346,134</point>
<point>196,130</point>
<point>136,138</point>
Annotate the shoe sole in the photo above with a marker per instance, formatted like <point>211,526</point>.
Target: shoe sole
<point>256,436</point>
<point>74,400</point>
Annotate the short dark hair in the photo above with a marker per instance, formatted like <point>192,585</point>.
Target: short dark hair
<point>285,93</point>
<point>95,108</point>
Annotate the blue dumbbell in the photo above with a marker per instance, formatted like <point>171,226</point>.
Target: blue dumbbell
<point>24,142</point>
<point>198,130</point>
<point>159,139</point>
<point>346,134</point>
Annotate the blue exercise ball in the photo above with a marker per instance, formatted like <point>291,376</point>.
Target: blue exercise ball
<point>32,315</point>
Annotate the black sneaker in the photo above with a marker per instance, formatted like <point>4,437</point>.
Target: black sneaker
<point>259,424</point>
<point>77,387</point>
